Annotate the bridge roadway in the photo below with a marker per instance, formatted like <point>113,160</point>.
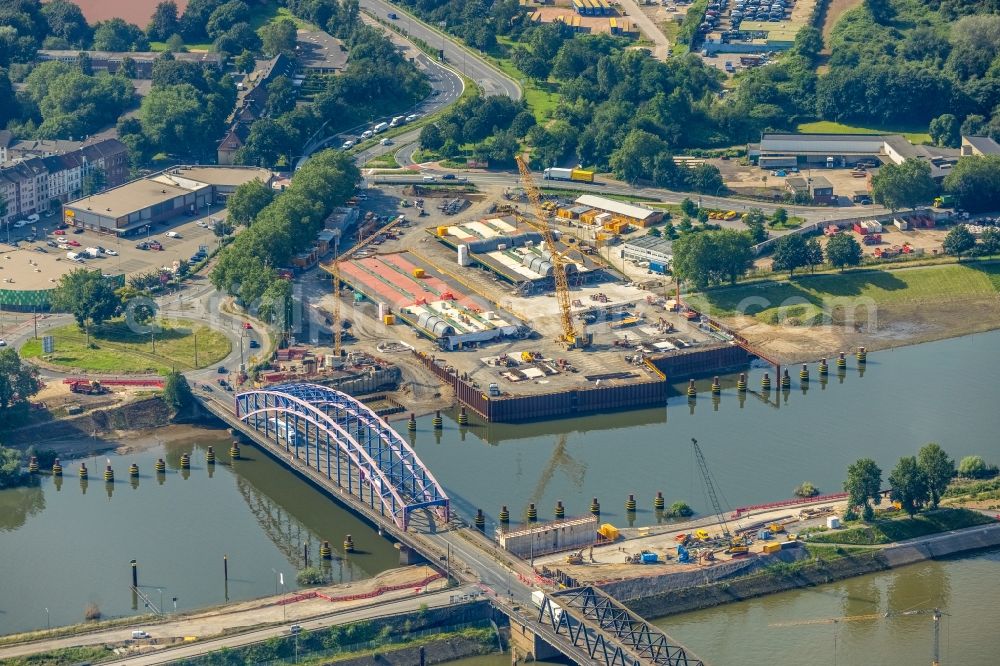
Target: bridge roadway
<point>466,554</point>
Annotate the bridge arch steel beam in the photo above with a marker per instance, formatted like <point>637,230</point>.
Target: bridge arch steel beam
<point>384,462</point>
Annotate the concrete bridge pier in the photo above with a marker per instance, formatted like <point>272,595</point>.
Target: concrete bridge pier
<point>527,646</point>
<point>408,555</point>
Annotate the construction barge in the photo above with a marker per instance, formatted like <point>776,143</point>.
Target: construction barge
<point>623,391</point>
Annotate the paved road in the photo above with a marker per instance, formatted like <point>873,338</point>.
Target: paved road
<point>436,599</point>
<point>495,179</point>
<point>446,85</point>
<point>491,80</point>
<point>648,28</point>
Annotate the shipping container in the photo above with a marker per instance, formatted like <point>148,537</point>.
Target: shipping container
<point>658,267</point>
<point>582,175</point>
<point>557,174</point>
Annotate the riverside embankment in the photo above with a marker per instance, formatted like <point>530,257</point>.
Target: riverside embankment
<point>660,596</point>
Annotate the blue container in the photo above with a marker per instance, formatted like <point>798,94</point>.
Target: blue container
<point>649,558</point>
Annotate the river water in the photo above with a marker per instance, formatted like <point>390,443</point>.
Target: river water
<point>66,548</point>
<point>944,391</point>
<point>74,548</point>
<point>746,633</point>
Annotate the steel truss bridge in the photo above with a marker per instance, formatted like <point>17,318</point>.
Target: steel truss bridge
<point>345,441</point>
<point>611,634</point>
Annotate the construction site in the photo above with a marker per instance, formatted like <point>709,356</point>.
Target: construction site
<point>709,548</point>
<point>511,305</point>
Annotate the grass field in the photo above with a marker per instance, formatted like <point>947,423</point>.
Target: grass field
<point>918,285</point>
<point>386,161</point>
<point>541,98</point>
<point>888,531</point>
<point>830,127</point>
<point>116,349</point>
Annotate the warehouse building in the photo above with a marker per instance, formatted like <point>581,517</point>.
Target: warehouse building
<point>648,248</point>
<point>127,209</point>
<point>630,213</point>
<point>819,189</point>
<point>776,151</point>
<point>979,145</point>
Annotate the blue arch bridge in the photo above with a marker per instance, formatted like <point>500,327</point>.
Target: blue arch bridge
<point>345,441</point>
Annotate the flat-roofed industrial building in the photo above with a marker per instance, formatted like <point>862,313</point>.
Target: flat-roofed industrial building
<point>128,208</point>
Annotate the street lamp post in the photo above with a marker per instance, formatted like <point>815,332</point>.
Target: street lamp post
<point>48,619</point>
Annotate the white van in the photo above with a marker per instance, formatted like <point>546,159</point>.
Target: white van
<point>430,179</point>
<point>386,142</point>
<point>367,134</point>
<point>136,635</point>
<point>73,256</point>
<point>397,121</point>
<point>381,127</point>
<point>348,144</point>
<point>92,252</point>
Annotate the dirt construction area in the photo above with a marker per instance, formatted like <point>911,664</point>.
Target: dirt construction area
<point>753,181</point>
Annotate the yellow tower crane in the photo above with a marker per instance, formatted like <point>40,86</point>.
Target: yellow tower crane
<point>569,335</point>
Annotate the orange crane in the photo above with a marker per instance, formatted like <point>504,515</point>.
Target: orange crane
<point>935,614</point>
<point>569,335</point>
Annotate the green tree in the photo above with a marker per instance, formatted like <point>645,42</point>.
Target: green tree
<point>66,21</point>
<point>276,305</point>
<point>245,62</point>
<point>177,119</point>
<point>248,200</point>
<point>945,131</point>
<point>280,96</point>
<point>905,185</point>
<point>278,37</point>
<point>117,35</point>
<point>974,467</point>
<point>779,217</point>
<point>690,208</point>
<point>938,468</point>
<point>908,485</point>
<point>959,241</point>
<point>864,485</point>
<point>707,179</point>
<point>635,158</point>
<point>177,392</point>
<point>814,254</point>
<point>755,221</point>
<point>94,181</point>
<point>8,99</point>
<point>790,252</point>
<point>679,510</point>
<point>18,382</point>
<point>88,296</point>
<point>225,16</point>
<point>11,474</point>
<point>989,241</point>
<point>164,21</point>
<point>975,182</point>
<point>175,44</point>
<point>430,137</point>
<point>843,250</point>
<point>712,258</point>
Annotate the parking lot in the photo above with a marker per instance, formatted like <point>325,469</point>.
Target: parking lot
<point>32,265</point>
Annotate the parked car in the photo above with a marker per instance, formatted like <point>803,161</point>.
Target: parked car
<point>78,230</point>
<point>59,232</point>
<point>111,253</point>
<point>254,344</point>
<point>142,246</point>
<point>73,243</point>
<point>172,234</point>
<point>222,370</point>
